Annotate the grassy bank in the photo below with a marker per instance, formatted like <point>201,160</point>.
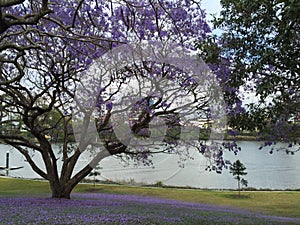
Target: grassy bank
<point>279,203</point>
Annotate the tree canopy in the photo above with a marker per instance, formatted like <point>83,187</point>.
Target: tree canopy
<point>261,40</point>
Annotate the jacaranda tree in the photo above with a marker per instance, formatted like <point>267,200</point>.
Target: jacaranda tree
<point>52,89</point>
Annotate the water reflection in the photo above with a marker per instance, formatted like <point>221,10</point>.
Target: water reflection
<point>274,171</point>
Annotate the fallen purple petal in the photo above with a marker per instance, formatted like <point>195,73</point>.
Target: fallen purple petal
<point>99,208</point>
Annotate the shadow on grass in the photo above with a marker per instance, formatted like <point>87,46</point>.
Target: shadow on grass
<point>236,196</point>
<point>94,190</point>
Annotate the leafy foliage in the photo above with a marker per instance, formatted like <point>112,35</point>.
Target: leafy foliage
<point>261,39</point>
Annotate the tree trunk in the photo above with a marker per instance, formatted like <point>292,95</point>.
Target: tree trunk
<point>62,188</point>
<point>239,187</point>
<point>59,190</point>
<point>61,193</point>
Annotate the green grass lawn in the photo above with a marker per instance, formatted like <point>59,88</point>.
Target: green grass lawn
<point>279,203</point>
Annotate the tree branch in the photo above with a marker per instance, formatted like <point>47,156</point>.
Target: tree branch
<point>7,3</point>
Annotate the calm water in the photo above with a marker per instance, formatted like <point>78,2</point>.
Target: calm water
<point>275,171</point>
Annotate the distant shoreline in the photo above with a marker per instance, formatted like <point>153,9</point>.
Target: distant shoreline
<point>242,138</point>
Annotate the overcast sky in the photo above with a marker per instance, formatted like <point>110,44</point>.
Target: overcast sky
<point>211,6</point>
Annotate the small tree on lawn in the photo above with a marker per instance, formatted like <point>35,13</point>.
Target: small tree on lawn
<point>95,173</point>
<point>238,170</point>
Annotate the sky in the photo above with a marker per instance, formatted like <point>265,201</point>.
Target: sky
<point>211,6</point>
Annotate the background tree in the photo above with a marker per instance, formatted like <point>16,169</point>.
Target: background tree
<point>42,64</point>
<point>261,40</point>
<point>238,170</point>
<point>94,174</point>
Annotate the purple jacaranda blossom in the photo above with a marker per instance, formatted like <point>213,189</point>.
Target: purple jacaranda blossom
<point>109,105</point>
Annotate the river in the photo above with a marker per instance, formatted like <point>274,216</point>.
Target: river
<point>265,170</point>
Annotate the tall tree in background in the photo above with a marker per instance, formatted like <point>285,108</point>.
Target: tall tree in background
<point>261,38</point>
